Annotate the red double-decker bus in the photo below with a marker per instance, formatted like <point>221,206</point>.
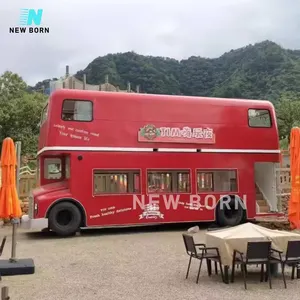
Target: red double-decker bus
<point>101,155</point>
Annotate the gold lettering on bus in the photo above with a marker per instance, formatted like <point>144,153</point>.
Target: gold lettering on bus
<point>81,131</point>
<point>75,136</point>
<point>175,134</point>
<point>94,134</point>
<point>81,134</point>
<point>59,126</point>
<point>63,133</point>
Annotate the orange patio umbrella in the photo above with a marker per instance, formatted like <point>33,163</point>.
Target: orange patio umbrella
<point>10,206</point>
<point>294,202</point>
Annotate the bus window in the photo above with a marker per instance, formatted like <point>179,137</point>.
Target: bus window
<point>116,182</point>
<point>44,114</point>
<point>77,110</point>
<point>167,181</point>
<point>217,181</point>
<point>259,118</point>
<point>52,168</point>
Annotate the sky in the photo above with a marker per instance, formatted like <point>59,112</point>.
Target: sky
<point>81,30</point>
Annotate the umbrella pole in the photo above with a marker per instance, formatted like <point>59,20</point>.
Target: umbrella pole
<point>15,223</point>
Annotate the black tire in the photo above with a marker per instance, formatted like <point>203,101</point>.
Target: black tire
<point>232,216</point>
<point>65,219</point>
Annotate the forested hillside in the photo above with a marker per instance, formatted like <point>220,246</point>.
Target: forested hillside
<point>261,71</point>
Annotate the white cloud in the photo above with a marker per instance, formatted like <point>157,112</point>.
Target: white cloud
<point>82,30</point>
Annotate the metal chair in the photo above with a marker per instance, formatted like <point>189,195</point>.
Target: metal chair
<point>206,253</point>
<point>291,258</point>
<point>258,253</point>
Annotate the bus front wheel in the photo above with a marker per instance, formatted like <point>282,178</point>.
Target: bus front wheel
<point>64,219</point>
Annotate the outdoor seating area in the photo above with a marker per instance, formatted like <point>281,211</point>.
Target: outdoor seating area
<point>245,245</point>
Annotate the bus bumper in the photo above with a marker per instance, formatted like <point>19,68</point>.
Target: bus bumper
<point>28,223</point>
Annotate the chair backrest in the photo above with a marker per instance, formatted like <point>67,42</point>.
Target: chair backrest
<point>189,243</point>
<point>258,250</point>
<point>293,250</point>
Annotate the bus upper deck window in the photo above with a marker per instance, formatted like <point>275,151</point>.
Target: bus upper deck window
<point>77,110</point>
<point>260,118</point>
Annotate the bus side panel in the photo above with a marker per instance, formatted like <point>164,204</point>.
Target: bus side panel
<point>117,119</point>
<point>120,210</point>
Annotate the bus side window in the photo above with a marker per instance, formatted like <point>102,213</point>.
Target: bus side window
<point>116,182</point>
<point>77,110</point>
<point>260,118</point>
<point>216,181</point>
<point>52,168</point>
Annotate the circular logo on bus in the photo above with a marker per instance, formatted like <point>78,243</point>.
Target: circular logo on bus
<point>150,132</point>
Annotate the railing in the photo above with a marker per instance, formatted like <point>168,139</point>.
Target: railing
<point>27,181</point>
<point>283,188</point>
<point>26,170</point>
<point>283,181</point>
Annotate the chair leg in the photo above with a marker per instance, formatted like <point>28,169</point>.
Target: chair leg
<point>293,272</point>
<point>216,267</point>
<point>283,275</point>
<point>233,266</point>
<point>262,273</point>
<point>232,271</point>
<point>187,273</point>
<point>208,263</point>
<point>221,270</point>
<point>269,275</point>
<point>243,268</point>
<point>199,271</point>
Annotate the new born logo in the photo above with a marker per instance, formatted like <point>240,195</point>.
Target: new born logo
<point>28,18</point>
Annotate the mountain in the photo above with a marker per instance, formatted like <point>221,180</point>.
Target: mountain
<point>260,71</point>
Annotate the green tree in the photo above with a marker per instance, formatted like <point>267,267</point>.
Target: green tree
<point>288,114</point>
<point>20,112</point>
<point>11,85</point>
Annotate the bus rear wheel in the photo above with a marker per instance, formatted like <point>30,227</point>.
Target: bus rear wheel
<point>64,219</point>
<point>230,215</point>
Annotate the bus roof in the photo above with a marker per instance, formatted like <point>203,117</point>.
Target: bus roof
<point>81,94</point>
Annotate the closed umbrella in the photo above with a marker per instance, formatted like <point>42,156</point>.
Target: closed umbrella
<point>10,207</point>
<point>294,202</point>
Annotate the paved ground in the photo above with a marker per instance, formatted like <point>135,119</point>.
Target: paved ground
<point>123,264</point>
